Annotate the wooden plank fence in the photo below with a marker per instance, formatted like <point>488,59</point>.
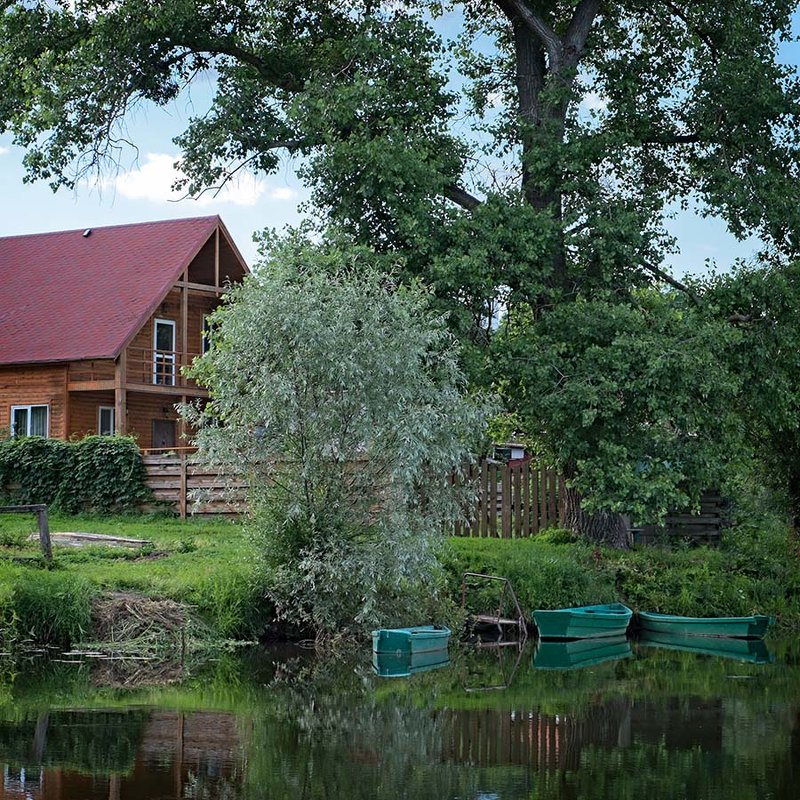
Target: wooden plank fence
<point>513,500</point>
<point>175,479</point>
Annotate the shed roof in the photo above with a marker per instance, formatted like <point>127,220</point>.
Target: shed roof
<point>67,296</point>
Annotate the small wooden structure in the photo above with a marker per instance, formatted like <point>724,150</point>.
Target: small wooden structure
<point>702,528</point>
<point>44,528</point>
<point>507,598</point>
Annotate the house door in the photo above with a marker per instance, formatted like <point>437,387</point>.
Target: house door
<point>164,433</point>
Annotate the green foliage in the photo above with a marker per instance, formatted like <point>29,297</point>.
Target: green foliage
<point>636,402</point>
<point>36,470</point>
<point>100,474</point>
<point>340,395</point>
<point>510,196</point>
<point>756,570</point>
<point>109,475</point>
<point>763,301</point>
<point>43,607</point>
<point>543,575</point>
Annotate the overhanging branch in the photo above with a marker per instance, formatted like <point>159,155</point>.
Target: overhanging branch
<point>461,197</point>
<point>668,279</point>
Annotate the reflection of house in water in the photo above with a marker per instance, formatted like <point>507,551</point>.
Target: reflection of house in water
<point>170,754</point>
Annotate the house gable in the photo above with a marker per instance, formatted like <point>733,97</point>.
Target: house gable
<point>79,295</point>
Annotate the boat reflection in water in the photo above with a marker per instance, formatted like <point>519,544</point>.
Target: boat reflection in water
<point>402,664</point>
<point>580,652</point>
<point>753,651</point>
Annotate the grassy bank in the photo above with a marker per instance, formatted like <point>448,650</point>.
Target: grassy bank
<point>210,566</point>
<point>755,570</point>
<point>207,564</point>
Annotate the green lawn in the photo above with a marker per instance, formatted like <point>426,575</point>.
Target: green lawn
<point>206,563</point>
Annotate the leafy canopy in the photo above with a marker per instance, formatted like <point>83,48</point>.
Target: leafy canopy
<point>458,135</point>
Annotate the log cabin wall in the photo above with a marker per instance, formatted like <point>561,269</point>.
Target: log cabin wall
<point>84,409</point>
<point>140,349</point>
<point>145,408</point>
<point>35,385</point>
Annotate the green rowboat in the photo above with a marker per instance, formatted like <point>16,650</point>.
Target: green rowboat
<point>580,652</point>
<point>753,627</point>
<point>753,651</point>
<point>420,639</point>
<point>583,622</point>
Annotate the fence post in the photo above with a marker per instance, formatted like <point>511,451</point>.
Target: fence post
<point>182,487</point>
<point>44,532</point>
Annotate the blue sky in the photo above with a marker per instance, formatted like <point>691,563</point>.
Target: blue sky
<point>140,191</point>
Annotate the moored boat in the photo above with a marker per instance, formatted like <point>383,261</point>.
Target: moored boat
<point>419,639</point>
<point>752,627</point>
<point>583,622</point>
<point>580,652</point>
<point>753,651</point>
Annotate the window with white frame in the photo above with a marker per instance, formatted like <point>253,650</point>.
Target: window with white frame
<point>30,420</point>
<point>105,420</point>
<point>164,352</point>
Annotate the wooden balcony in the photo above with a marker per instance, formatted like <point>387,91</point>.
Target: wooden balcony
<point>158,368</point>
<point>158,371</point>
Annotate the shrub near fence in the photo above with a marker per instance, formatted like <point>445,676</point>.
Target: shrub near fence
<point>100,474</point>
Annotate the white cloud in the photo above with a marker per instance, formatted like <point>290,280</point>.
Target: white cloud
<point>282,193</point>
<point>153,180</point>
<point>3,150</point>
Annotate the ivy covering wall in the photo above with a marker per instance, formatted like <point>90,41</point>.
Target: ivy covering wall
<point>98,474</point>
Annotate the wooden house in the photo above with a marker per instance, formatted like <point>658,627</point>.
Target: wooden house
<point>96,324</point>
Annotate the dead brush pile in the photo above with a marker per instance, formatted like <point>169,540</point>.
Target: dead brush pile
<point>133,624</point>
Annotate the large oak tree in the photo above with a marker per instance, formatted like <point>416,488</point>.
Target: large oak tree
<point>459,136</point>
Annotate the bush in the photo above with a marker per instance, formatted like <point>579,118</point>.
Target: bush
<point>341,395</point>
<point>101,474</point>
<point>543,574</point>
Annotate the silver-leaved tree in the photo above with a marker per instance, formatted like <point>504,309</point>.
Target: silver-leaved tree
<point>340,395</point>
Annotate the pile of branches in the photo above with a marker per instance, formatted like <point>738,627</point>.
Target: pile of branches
<point>130,623</point>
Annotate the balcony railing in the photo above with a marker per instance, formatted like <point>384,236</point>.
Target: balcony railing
<point>145,367</point>
<point>158,367</point>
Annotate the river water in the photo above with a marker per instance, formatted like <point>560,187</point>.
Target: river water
<point>633,720</point>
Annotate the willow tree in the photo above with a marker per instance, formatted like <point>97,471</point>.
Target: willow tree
<point>521,154</point>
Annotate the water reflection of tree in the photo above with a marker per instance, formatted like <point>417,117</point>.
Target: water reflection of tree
<point>331,733</point>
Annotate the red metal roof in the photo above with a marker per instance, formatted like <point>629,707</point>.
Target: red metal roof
<point>65,296</point>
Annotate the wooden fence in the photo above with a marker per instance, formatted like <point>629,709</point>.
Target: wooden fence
<point>703,528</point>
<point>513,500</point>
<point>176,479</point>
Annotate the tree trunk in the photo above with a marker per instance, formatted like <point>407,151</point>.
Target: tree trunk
<point>605,527</point>
<point>793,490</point>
